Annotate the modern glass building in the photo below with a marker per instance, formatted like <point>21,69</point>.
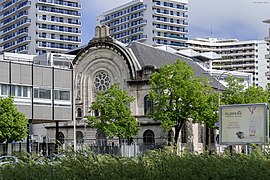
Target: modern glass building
<point>39,26</point>
<point>154,22</point>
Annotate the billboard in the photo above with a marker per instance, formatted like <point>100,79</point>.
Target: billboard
<point>243,124</point>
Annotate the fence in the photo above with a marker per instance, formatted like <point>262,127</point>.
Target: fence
<point>48,149</point>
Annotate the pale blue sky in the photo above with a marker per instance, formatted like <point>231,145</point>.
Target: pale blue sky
<point>240,19</point>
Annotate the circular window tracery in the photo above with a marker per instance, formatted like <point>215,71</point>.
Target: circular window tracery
<point>102,81</point>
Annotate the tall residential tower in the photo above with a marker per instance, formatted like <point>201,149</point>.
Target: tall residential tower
<point>39,26</point>
<point>243,56</point>
<point>154,22</point>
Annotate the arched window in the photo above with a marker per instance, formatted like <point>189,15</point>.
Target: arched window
<point>148,137</point>
<point>79,137</point>
<point>148,104</point>
<point>101,139</point>
<point>79,112</point>
<point>61,137</point>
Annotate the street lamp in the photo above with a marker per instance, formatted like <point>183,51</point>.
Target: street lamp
<point>73,97</point>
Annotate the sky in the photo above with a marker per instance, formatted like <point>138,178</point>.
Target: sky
<point>237,19</point>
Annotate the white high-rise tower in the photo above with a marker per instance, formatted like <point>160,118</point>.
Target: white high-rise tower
<point>154,22</point>
<point>39,26</point>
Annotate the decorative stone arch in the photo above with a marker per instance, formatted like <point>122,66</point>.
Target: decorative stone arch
<point>112,46</point>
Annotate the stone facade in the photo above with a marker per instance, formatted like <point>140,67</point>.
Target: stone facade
<point>105,61</point>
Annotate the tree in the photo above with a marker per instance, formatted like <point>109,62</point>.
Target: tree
<point>235,93</point>
<point>13,124</point>
<point>115,117</point>
<point>178,96</point>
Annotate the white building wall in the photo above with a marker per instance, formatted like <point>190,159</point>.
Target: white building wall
<point>21,33</point>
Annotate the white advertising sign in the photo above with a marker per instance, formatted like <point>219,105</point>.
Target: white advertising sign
<point>243,124</point>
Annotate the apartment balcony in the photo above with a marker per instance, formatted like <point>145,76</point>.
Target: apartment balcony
<point>57,48</point>
<point>57,12</point>
<point>60,40</point>
<point>23,7</point>
<point>61,4</point>
<point>172,38</point>
<point>184,24</point>
<point>59,23</point>
<point>164,14</point>
<point>171,6</point>
<point>163,29</point>
<point>57,30</point>
<point>18,43</point>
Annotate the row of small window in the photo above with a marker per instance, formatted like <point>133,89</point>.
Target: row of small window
<point>128,25</point>
<point>20,49</point>
<point>17,25</point>
<point>165,19</point>
<point>14,34</point>
<point>9,3</point>
<point>41,93</point>
<point>65,3</point>
<point>173,13</point>
<point>130,32</point>
<point>59,28</point>
<point>56,45</point>
<point>172,28</point>
<point>59,19</point>
<point>178,6</point>
<point>57,10</point>
<point>133,38</point>
<point>16,8</point>
<point>125,11</point>
<point>19,40</point>
<point>22,13</point>
<point>126,19</point>
<point>171,35</point>
<point>19,91</point>
<point>60,37</point>
<point>172,43</point>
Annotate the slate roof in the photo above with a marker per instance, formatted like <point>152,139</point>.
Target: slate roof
<point>148,55</point>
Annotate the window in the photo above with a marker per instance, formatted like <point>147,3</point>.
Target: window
<point>148,137</point>
<point>79,112</point>
<point>62,95</point>
<point>61,137</point>
<point>79,138</point>
<point>42,93</point>
<point>102,81</point>
<point>4,89</point>
<point>101,139</point>
<point>148,104</point>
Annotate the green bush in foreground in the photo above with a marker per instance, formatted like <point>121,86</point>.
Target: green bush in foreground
<point>153,165</point>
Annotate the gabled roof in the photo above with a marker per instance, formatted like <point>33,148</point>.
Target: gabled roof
<point>148,55</point>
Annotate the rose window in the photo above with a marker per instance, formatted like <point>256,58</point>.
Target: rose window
<point>101,81</point>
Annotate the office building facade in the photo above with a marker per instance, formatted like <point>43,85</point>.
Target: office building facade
<point>154,22</point>
<point>39,26</point>
<point>243,56</point>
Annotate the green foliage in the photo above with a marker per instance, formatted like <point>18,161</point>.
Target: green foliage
<point>13,124</point>
<point>115,116</point>
<point>235,93</point>
<point>154,165</point>
<point>178,96</point>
